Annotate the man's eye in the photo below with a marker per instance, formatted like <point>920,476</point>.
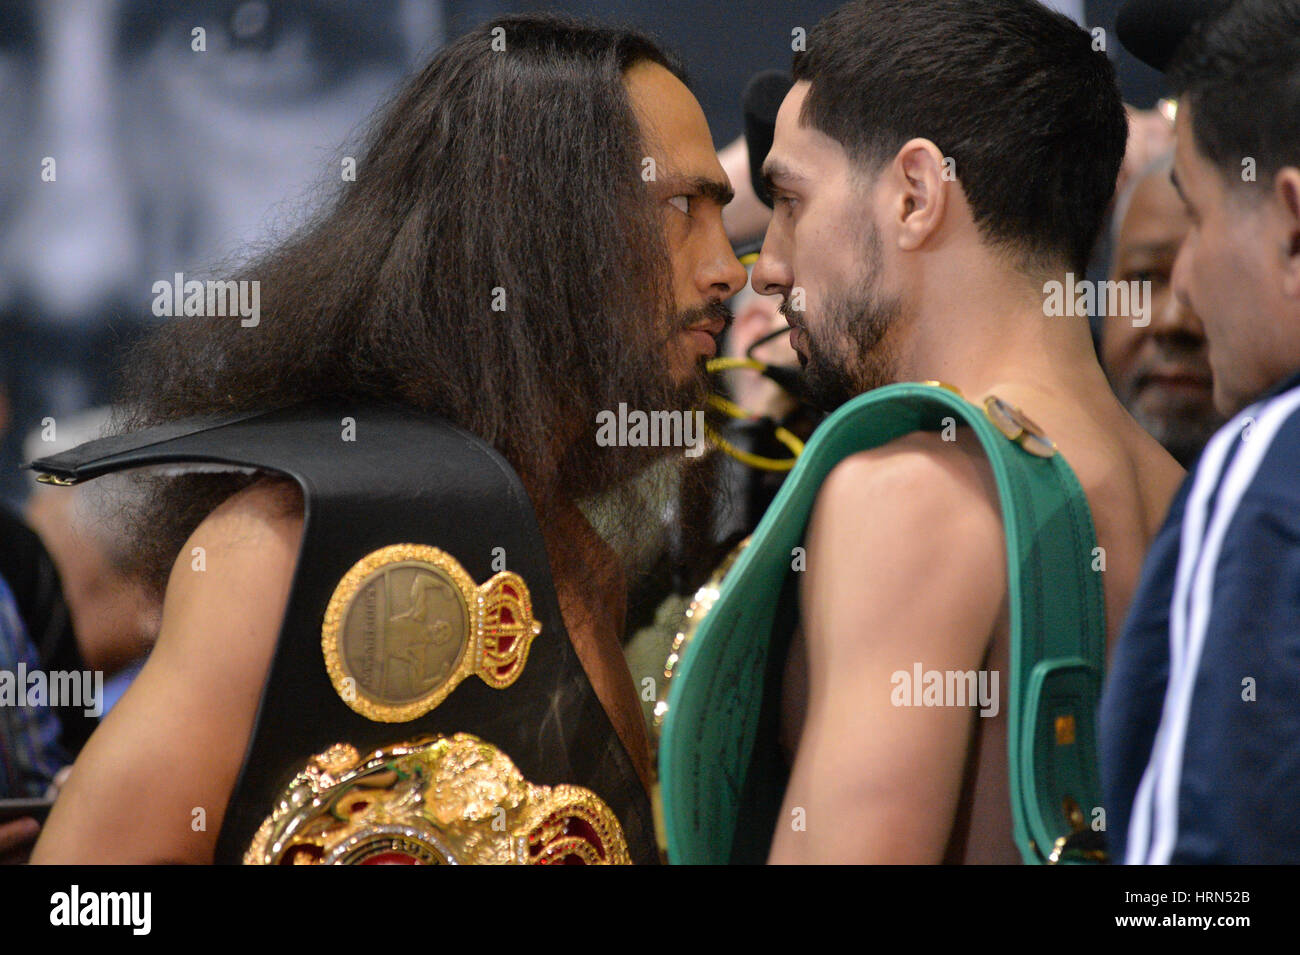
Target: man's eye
<point>681,202</point>
<point>1154,276</point>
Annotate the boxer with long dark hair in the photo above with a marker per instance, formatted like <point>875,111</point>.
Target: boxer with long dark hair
<point>533,236</point>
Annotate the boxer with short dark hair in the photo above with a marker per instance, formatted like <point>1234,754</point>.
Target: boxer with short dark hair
<point>936,166</point>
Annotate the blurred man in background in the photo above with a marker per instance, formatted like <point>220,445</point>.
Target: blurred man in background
<point>1200,722</point>
<point>1160,369</point>
<point>30,754</point>
<point>114,616</point>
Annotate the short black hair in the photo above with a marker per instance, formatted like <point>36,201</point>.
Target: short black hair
<point>1014,93</point>
<point>1240,73</point>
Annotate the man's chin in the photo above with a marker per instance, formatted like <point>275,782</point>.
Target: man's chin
<point>1228,400</point>
<point>692,392</point>
<point>1157,401</point>
<point>826,392</point>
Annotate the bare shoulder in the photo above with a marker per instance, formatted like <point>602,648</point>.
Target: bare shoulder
<point>269,510</point>
<point>916,481</point>
<point>256,529</point>
<point>1128,477</point>
<point>233,573</point>
<point>907,532</point>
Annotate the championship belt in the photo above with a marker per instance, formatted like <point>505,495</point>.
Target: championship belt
<point>422,658</point>
<point>435,801</point>
<point>722,776</point>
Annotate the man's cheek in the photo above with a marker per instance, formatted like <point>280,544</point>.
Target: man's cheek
<point>1201,267</point>
<point>1120,352</point>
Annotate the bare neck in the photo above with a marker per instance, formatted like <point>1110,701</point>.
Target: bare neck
<point>980,326</point>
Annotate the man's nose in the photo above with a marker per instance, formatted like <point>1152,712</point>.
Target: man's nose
<point>723,275</point>
<point>1179,276</point>
<point>1174,316</point>
<point>772,274</point>
<point>74,240</point>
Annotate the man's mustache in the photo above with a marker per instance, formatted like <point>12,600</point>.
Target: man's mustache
<point>704,315</point>
<point>784,311</point>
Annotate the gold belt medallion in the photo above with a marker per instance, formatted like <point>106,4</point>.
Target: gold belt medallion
<point>407,624</point>
<point>433,801</point>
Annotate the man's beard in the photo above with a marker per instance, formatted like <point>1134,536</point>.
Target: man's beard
<point>633,496</point>
<point>588,469</point>
<point>1183,438</point>
<point>693,393</point>
<point>1183,426</point>
<point>1182,431</point>
<point>847,353</point>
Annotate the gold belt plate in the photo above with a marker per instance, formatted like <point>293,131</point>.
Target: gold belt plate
<point>407,624</point>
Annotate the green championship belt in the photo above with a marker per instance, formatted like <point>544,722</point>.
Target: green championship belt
<point>721,776</point>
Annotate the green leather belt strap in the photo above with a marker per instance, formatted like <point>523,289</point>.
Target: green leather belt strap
<point>708,754</point>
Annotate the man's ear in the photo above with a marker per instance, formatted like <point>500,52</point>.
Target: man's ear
<point>1286,187</point>
<point>922,176</point>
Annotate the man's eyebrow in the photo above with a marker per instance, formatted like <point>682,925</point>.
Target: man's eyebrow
<point>712,189</point>
<point>774,169</point>
<point>1151,248</point>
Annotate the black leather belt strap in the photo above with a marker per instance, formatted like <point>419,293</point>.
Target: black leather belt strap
<point>405,478</point>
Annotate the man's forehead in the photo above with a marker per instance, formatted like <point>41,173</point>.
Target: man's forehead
<point>1150,200</point>
<point>787,115</point>
<point>1152,230</point>
<point>1154,195</point>
<point>673,122</point>
<point>799,152</point>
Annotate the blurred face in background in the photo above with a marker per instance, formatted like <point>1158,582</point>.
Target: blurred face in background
<point>115,619</point>
<point>1161,371</point>
<point>1237,269</point>
<point>171,151</point>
